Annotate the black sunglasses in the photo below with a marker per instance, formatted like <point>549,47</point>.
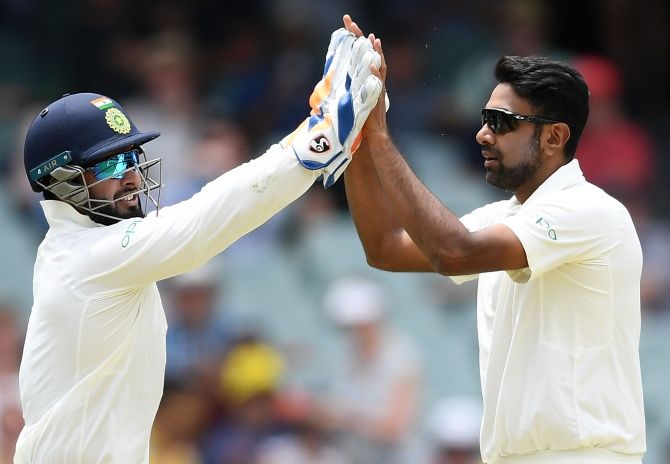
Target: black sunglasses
<point>502,121</point>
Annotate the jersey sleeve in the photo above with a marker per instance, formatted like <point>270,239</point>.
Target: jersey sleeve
<point>185,235</point>
<point>473,221</point>
<point>561,229</point>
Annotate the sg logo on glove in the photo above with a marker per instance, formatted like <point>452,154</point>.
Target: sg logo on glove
<point>319,144</point>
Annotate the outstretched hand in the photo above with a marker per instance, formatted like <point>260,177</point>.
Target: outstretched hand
<point>340,105</point>
<point>376,122</point>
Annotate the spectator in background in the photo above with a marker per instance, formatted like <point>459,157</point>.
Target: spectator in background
<point>169,99</point>
<point>520,28</point>
<point>220,145</point>
<point>615,152</point>
<point>453,426</point>
<point>200,328</point>
<point>248,380</point>
<point>305,442</point>
<point>375,392</point>
<point>240,77</point>
<point>181,418</point>
<point>413,100</point>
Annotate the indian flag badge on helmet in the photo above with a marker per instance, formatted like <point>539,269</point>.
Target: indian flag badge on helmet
<point>102,103</point>
<point>117,121</point>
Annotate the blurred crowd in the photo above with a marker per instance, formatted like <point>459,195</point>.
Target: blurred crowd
<point>286,349</point>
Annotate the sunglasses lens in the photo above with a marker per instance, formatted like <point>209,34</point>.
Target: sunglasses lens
<point>499,122</point>
<point>115,166</point>
<point>507,122</point>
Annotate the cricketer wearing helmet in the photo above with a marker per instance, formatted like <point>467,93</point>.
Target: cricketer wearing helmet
<point>91,375</point>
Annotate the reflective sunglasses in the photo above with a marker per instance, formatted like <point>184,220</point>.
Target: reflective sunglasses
<point>115,166</point>
<point>502,121</point>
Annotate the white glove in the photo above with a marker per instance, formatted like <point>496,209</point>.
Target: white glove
<point>341,102</point>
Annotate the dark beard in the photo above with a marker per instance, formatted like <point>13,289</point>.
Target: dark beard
<point>111,209</point>
<point>511,178</point>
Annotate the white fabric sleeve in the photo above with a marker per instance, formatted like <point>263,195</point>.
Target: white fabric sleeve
<point>180,237</point>
<point>476,220</point>
<point>557,230</point>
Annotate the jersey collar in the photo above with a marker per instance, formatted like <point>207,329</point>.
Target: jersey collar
<point>62,215</point>
<point>568,175</point>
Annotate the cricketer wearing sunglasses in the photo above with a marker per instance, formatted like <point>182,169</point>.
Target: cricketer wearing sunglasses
<point>559,263</point>
<point>91,376</point>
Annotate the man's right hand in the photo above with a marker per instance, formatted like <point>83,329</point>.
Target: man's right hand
<point>376,122</point>
<point>341,103</point>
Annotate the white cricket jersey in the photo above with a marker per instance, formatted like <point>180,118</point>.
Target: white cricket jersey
<point>92,371</point>
<point>558,340</point>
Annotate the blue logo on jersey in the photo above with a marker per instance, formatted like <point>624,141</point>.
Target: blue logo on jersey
<point>544,223</point>
<point>128,234</point>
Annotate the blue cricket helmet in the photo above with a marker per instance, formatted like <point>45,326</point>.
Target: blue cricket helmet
<point>78,129</point>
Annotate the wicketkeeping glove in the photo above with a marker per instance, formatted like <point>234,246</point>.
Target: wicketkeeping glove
<point>341,102</point>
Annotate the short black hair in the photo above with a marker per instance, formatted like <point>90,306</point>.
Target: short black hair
<point>555,89</point>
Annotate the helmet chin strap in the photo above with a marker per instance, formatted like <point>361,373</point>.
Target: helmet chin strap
<point>69,185</point>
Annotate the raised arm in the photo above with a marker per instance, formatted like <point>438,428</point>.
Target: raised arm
<point>385,242</point>
<point>186,235</point>
<point>402,225</point>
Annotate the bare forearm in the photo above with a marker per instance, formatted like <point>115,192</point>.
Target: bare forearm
<point>435,230</point>
<point>387,246</point>
<point>374,221</point>
<point>432,238</point>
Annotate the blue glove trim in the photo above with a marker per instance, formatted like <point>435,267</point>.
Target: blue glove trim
<point>326,66</point>
<point>315,165</point>
<point>312,165</point>
<point>329,60</point>
<point>331,178</point>
<point>315,119</point>
<point>345,117</point>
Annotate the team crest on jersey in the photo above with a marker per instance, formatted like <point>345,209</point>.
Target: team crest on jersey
<point>319,144</point>
<point>117,121</point>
